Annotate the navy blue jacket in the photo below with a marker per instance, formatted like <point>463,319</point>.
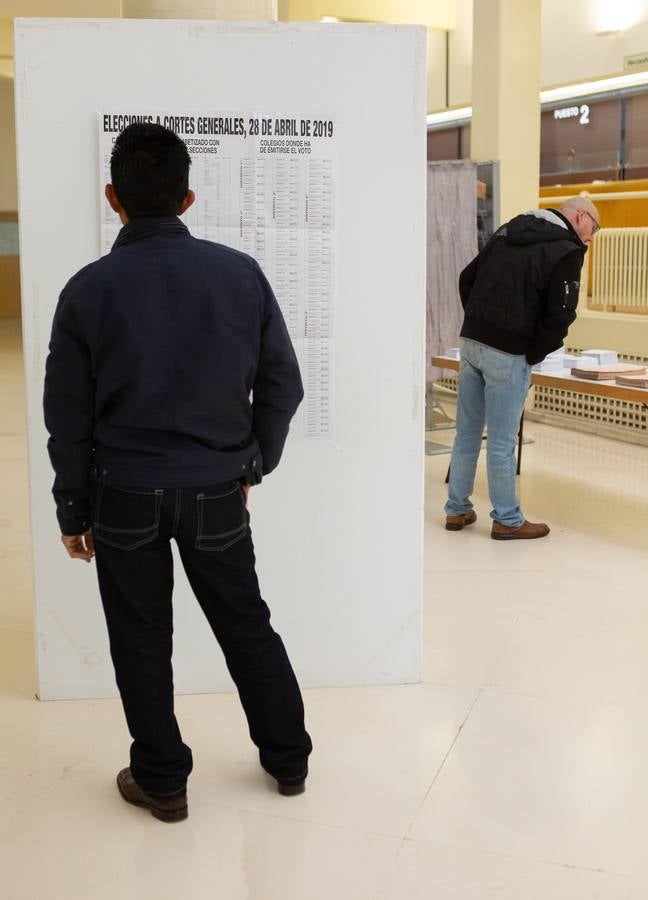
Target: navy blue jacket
<point>155,352</point>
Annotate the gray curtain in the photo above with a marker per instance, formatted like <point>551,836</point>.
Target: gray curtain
<point>451,244</point>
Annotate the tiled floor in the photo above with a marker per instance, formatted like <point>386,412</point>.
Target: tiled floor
<point>515,771</point>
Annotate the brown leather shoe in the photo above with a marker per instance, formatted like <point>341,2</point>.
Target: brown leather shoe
<point>291,788</point>
<point>456,523</point>
<point>167,809</point>
<point>524,532</point>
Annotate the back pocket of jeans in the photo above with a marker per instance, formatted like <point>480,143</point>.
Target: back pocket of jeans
<point>499,368</point>
<point>126,519</point>
<point>222,518</point>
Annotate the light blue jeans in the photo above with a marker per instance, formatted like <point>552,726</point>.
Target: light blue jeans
<point>492,388</point>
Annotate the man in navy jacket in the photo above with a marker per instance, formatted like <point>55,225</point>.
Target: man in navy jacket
<point>171,383</point>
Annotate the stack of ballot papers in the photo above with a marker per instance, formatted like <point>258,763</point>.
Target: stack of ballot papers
<point>600,357</point>
<point>554,362</point>
<point>453,353</point>
<point>605,373</point>
<point>558,361</point>
<point>640,381</point>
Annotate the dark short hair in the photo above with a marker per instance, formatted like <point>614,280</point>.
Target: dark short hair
<point>149,168</point>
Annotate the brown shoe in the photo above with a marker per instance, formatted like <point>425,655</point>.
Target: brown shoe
<point>291,788</point>
<point>456,523</point>
<point>524,532</point>
<point>167,809</point>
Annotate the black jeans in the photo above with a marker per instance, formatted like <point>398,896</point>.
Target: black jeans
<point>133,530</point>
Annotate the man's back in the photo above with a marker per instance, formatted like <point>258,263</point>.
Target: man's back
<point>179,332</point>
<point>523,280</point>
<point>519,295</point>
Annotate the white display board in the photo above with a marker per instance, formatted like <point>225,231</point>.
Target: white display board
<point>338,528</point>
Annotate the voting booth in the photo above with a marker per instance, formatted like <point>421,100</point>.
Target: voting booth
<point>308,152</point>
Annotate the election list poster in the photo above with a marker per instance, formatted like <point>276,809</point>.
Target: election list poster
<point>264,184</point>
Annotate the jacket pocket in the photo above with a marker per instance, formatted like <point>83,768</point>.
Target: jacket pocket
<point>570,297</point>
<point>126,519</point>
<point>222,518</point>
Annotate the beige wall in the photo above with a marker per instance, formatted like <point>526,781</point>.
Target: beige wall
<point>8,188</point>
<point>433,13</point>
<point>627,334</point>
<point>254,10</point>
<point>6,48</point>
<point>460,66</point>
<point>71,9</point>
<point>572,50</point>
<point>436,68</point>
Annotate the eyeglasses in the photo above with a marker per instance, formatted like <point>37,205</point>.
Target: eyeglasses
<point>596,227</point>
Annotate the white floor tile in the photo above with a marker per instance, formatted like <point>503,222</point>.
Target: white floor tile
<point>467,627</point>
<point>545,781</point>
<point>423,872</point>
<point>82,841</point>
<point>587,642</point>
<point>43,741</point>
<point>376,753</point>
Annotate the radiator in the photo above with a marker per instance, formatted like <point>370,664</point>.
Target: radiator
<point>620,271</point>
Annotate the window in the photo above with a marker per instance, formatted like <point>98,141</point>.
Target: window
<point>444,144</point>
<point>636,136</point>
<point>580,142</point>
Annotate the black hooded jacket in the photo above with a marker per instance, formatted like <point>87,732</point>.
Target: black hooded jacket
<point>520,292</point>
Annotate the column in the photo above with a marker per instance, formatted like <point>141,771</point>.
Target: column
<point>506,97</point>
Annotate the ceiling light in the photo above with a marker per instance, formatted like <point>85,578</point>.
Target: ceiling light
<point>450,116</point>
<point>614,16</point>
<point>587,88</point>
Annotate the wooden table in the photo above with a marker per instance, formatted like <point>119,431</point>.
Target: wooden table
<point>568,383</point>
<point>563,383</point>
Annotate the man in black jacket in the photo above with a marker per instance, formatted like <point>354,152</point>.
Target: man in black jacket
<point>519,295</point>
<point>156,349</point>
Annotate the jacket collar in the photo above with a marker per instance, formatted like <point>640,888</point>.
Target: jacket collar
<point>149,226</point>
<point>570,228</point>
